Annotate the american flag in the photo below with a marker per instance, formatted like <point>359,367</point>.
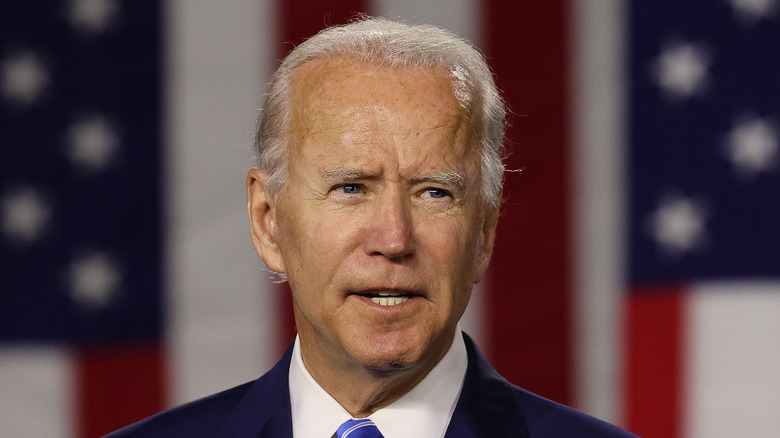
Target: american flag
<point>636,270</point>
<point>704,212</point>
<point>81,239</point>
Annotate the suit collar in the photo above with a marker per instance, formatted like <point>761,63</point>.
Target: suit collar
<point>265,409</point>
<point>487,404</point>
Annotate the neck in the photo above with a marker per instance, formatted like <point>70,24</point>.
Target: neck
<point>360,389</point>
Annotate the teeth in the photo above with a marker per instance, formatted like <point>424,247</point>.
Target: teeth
<point>386,300</point>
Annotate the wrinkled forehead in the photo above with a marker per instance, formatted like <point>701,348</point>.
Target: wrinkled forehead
<point>339,87</point>
<point>339,73</point>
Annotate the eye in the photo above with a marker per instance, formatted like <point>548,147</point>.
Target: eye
<point>351,189</point>
<point>437,193</point>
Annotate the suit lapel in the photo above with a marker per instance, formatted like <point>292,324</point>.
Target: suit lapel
<point>487,406</point>
<point>264,412</point>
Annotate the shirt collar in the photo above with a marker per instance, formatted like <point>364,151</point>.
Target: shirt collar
<point>424,411</point>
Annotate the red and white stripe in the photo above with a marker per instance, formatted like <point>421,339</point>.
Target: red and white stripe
<point>550,315</point>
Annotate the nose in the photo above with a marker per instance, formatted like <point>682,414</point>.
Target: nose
<point>390,229</point>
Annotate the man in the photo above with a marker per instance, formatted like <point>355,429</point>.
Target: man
<point>376,195</point>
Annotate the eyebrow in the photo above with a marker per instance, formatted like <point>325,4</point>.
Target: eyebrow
<point>342,174</point>
<point>449,178</point>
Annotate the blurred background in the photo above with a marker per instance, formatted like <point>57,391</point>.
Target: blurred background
<point>636,274</point>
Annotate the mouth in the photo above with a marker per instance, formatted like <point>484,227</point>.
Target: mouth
<point>388,298</point>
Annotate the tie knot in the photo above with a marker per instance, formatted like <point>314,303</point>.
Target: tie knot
<point>363,428</point>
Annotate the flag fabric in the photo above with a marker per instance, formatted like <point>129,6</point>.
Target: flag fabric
<point>80,161</point>
<point>635,274</point>
<point>704,241</point>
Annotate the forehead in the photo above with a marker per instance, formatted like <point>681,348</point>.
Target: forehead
<point>336,75</point>
<point>337,100</point>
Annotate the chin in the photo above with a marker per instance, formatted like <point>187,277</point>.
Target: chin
<point>385,364</point>
<point>390,352</point>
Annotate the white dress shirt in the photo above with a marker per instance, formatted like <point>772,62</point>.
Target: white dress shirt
<point>425,411</point>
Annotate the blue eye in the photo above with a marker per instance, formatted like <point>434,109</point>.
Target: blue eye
<point>437,193</point>
<point>351,189</point>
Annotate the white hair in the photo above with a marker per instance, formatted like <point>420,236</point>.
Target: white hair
<point>385,42</point>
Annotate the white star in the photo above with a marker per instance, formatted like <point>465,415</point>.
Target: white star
<point>94,280</point>
<point>25,214</point>
<point>681,70</point>
<point>678,225</point>
<point>752,146</point>
<point>93,143</point>
<point>750,11</point>
<point>93,16</point>
<point>24,78</point>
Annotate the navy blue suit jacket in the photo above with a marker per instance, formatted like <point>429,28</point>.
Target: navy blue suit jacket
<point>489,406</point>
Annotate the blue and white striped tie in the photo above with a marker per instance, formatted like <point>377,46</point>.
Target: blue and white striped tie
<point>363,428</point>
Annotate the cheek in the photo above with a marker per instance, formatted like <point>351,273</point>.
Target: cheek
<point>458,259</point>
<point>312,248</point>
<point>295,243</point>
<point>451,267</point>
<point>450,239</point>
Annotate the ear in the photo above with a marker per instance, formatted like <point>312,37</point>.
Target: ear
<point>485,244</point>
<point>262,219</point>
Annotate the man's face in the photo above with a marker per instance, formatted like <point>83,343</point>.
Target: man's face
<point>381,227</point>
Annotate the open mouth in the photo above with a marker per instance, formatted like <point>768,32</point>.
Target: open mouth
<point>388,298</point>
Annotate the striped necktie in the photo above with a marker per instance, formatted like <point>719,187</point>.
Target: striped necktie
<point>363,428</point>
